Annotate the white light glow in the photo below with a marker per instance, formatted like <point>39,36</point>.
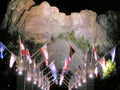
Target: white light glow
<point>76,86</point>
<point>20,72</point>
<point>42,87</point>
<point>29,78</point>
<point>35,82</point>
<point>91,76</point>
<point>84,80</point>
<point>38,85</point>
<point>79,84</point>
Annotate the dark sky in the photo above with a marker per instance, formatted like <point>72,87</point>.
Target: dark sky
<point>68,6</point>
<point>99,6</point>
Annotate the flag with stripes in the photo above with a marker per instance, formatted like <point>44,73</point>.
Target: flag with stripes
<point>94,51</point>
<point>102,62</point>
<point>12,60</point>
<point>67,62</point>
<point>44,51</point>
<point>22,48</point>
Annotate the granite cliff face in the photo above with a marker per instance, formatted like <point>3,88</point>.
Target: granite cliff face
<point>43,21</point>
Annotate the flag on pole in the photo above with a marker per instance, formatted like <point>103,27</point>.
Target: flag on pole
<point>61,79</point>
<point>53,70</point>
<point>22,48</point>
<point>2,48</point>
<point>34,67</point>
<point>71,51</point>
<point>12,60</point>
<point>44,51</point>
<point>95,53</point>
<point>112,53</point>
<point>67,62</point>
<point>62,76</point>
<point>96,71</point>
<point>102,62</point>
<point>27,54</point>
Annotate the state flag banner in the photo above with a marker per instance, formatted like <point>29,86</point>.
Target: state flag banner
<point>2,48</point>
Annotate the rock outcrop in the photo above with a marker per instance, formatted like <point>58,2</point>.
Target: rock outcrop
<point>44,21</point>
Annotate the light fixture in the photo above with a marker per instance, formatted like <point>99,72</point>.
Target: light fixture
<point>84,80</point>
<point>29,78</point>
<point>91,75</point>
<point>38,85</point>
<point>79,84</point>
<point>20,72</point>
<point>29,75</point>
<point>35,82</point>
<point>42,87</point>
<point>76,86</point>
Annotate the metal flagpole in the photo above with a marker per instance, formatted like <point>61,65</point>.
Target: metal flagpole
<point>50,81</point>
<point>66,77</point>
<point>43,60</point>
<point>76,51</point>
<point>46,74</point>
<point>109,51</point>
<point>65,83</point>
<point>65,80</point>
<point>6,48</point>
<point>38,49</point>
<point>44,69</point>
<point>51,84</point>
<point>69,75</point>
<point>40,63</point>
<point>35,53</point>
<point>50,77</point>
<point>20,49</point>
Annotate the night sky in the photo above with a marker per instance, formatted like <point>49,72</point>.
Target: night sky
<point>68,6</point>
<point>99,6</point>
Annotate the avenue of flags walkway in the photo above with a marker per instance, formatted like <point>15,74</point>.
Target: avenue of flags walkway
<point>24,52</point>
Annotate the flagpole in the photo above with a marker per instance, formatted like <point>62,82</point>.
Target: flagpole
<point>50,77</point>
<point>77,54</point>
<point>38,50</point>
<point>65,80</point>
<point>108,51</point>
<point>35,53</point>
<point>43,61</point>
<point>51,84</point>
<point>66,77</point>
<point>50,81</point>
<point>44,69</point>
<point>47,74</point>
<point>75,49</point>
<point>104,55</point>
<point>65,83</point>
<point>20,49</point>
<point>69,75</point>
<point>40,63</point>
<point>7,48</point>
